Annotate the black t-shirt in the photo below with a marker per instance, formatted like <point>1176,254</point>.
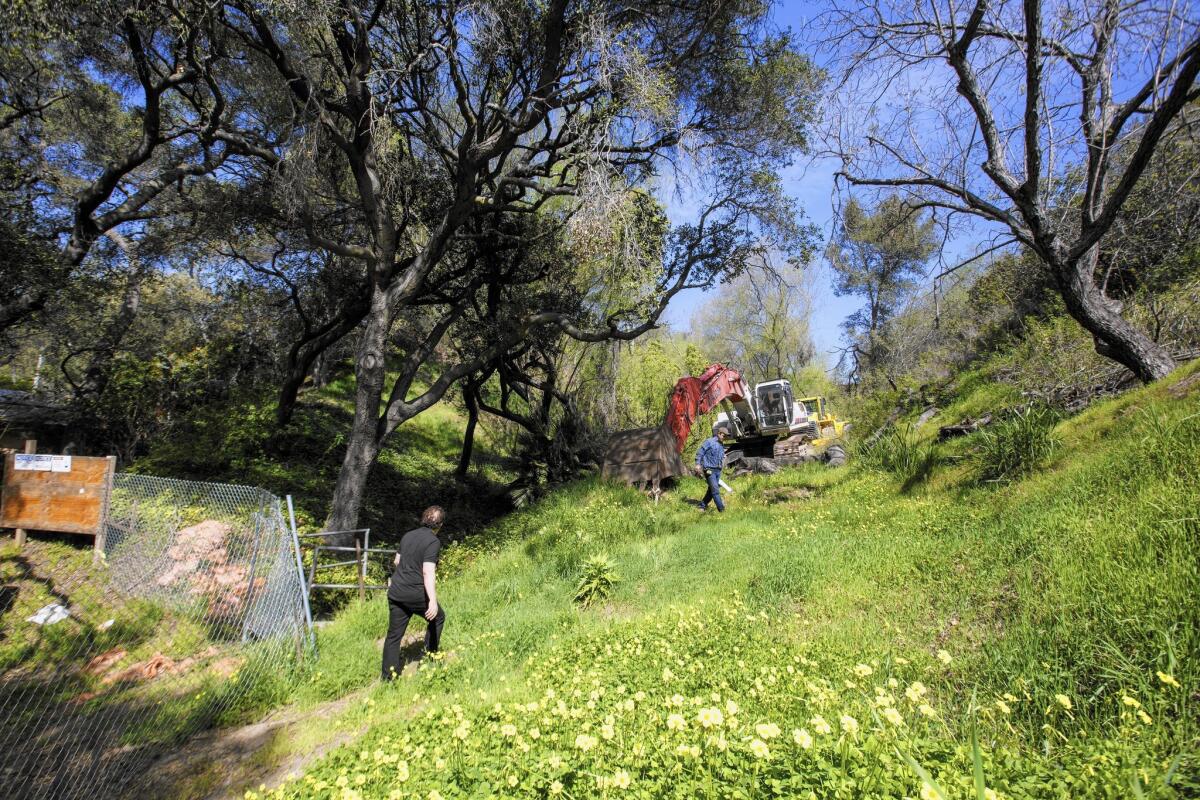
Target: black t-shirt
<point>418,546</point>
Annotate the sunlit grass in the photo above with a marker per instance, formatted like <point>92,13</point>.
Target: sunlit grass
<point>1078,580</point>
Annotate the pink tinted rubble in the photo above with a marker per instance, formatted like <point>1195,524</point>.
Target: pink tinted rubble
<point>200,559</point>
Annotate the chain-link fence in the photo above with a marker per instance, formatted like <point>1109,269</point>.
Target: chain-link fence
<point>195,612</point>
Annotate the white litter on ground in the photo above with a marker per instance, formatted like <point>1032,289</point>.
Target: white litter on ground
<point>48,615</point>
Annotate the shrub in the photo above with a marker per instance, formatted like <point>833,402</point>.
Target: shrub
<point>901,452</point>
<point>596,581</point>
<point>1018,444</point>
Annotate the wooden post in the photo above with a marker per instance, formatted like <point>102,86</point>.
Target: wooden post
<point>30,449</point>
<point>98,553</point>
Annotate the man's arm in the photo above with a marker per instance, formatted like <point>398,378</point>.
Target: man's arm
<point>429,574</point>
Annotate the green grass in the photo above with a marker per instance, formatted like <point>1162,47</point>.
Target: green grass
<point>1077,579</point>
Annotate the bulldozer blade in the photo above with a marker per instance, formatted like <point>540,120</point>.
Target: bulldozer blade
<point>642,455</point>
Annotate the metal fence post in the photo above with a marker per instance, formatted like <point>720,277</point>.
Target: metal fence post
<point>312,637</point>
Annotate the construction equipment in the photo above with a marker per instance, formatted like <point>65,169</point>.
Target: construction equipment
<point>767,427</point>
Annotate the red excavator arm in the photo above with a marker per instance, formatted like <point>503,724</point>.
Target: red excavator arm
<point>694,396</point>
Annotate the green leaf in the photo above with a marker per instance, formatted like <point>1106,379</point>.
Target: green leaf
<point>977,759</point>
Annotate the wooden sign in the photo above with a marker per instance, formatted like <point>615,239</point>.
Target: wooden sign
<point>56,493</point>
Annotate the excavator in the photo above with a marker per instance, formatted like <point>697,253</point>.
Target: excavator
<point>766,425</point>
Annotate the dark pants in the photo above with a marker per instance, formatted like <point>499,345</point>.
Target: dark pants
<point>399,612</point>
<point>713,476</point>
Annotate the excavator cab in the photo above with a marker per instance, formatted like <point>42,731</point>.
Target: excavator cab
<point>774,401</point>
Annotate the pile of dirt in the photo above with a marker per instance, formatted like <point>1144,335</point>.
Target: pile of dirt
<point>105,666</point>
<point>201,562</point>
<point>786,494</point>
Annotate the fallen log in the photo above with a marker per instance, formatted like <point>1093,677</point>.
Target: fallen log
<point>963,428</point>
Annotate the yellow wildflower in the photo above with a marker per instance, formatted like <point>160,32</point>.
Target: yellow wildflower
<point>1129,701</point>
<point>927,710</point>
<point>676,722</point>
<point>820,725</point>
<point>930,793</point>
<point>802,737</point>
<point>944,657</point>
<point>893,716</point>
<point>915,691</point>
<point>710,717</point>
<point>621,780</point>
<point>607,732</point>
<point>1169,680</point>
<point>849,724</point>
<point>556,788</point>
<point>863,670</point>
<point>508,729</point>
<point>585,742</point>
<point>759,748</point>
<point>1003,706</point>
<point>1144,716</point>
<point>1063,701</point>
<point>513,780</point>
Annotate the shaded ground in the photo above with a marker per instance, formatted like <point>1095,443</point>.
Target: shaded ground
<point>89,702</point>
<point>220,764</point>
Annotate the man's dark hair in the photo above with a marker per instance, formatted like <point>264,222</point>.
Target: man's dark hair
<point>433,517</point>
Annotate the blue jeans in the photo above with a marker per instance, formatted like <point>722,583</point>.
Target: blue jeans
<point>713,476</point>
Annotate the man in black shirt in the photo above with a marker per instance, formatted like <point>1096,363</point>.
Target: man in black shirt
<point>412,589</point>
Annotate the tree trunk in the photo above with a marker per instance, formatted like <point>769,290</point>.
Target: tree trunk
<point>99,369</point>
<point>365,439</point>
<point>303,354</point>
<point>289,392</point>
<point>1114,337</point>
<point>464,459</point>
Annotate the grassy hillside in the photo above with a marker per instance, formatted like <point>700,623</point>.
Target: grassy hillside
<point>833,635</point>
<point>242,445</point>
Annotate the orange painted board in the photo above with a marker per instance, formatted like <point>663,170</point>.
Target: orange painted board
<point>69,501</point>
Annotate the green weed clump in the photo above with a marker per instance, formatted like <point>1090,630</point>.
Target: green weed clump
<point>1018,444</point>
<point>597,581</point>
<point>903,453</point>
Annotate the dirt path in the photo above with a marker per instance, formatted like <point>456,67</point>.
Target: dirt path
<point>222,763</point>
